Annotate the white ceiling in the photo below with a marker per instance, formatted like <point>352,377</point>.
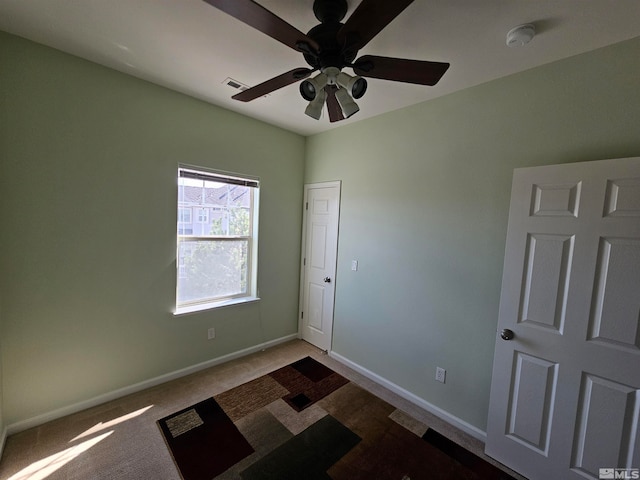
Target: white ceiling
<point>191,47</point>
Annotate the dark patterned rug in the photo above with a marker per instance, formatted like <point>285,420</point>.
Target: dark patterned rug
<point>306,422</point>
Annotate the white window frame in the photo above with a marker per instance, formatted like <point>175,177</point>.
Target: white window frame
<point>252,241</point>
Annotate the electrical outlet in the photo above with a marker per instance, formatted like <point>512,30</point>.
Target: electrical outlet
<point>441,374</point>
<point>354,265</point>
<point>211,333</point>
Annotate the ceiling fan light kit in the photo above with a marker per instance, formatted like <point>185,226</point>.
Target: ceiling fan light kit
<point>314,109</point>
<point>347,88</point>
<point>348,106</point>
<point>309,88</point>
<point>356,86</point>
<point>329,47</point>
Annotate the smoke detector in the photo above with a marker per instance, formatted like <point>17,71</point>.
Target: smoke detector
<point>520,35</point>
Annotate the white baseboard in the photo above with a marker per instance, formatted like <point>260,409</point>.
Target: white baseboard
<point>100,399</point>
<point>407,395</point>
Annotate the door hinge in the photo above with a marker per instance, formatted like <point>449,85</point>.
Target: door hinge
<point>306,206</point>
<point>304,261</point>
<point>301,314</point>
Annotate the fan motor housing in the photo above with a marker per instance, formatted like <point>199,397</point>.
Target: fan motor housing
<point>331,52</point>
<point>330,11</point>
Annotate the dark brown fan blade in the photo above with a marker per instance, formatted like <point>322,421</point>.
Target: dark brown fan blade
<point>400,69</point>
<point>292,76</point>
<point>333,107</point>
<point>258,17</point>
<point>368,20</point>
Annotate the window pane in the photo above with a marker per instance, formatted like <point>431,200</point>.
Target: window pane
<point>234,217</point>
<point>223,209</point>
<point>184,215</point>
<point>212,269</point>
<point>203,215</point>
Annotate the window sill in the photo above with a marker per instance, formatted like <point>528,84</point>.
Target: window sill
<point>213,305</point>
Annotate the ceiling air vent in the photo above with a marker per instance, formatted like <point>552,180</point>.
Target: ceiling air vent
<point>235,84</point>
<point>238,85</point>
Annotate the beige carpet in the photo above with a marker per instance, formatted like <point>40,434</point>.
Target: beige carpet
<point>120,439</point>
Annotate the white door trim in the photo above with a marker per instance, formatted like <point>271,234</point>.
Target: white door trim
<point>308,186</point>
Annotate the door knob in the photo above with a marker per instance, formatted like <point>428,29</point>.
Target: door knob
<point>327,280</point>
<point>507,334</point>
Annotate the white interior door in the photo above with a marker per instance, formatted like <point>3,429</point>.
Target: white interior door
<point>319,254</point>
<point>565,392</point>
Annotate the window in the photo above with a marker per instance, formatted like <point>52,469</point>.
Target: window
<point>203,215</point>
<point>184,215</point>
<point>216,263</point>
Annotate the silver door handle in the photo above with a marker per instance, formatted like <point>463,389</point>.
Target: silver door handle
<point>327,280</point>
<point>507,334</point>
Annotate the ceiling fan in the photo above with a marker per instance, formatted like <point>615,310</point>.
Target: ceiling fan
<point>329,47</point>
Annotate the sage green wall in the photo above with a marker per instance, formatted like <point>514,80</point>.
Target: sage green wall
<point>2,424</point>
<point>425,198</point>
<point>88,194</point>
